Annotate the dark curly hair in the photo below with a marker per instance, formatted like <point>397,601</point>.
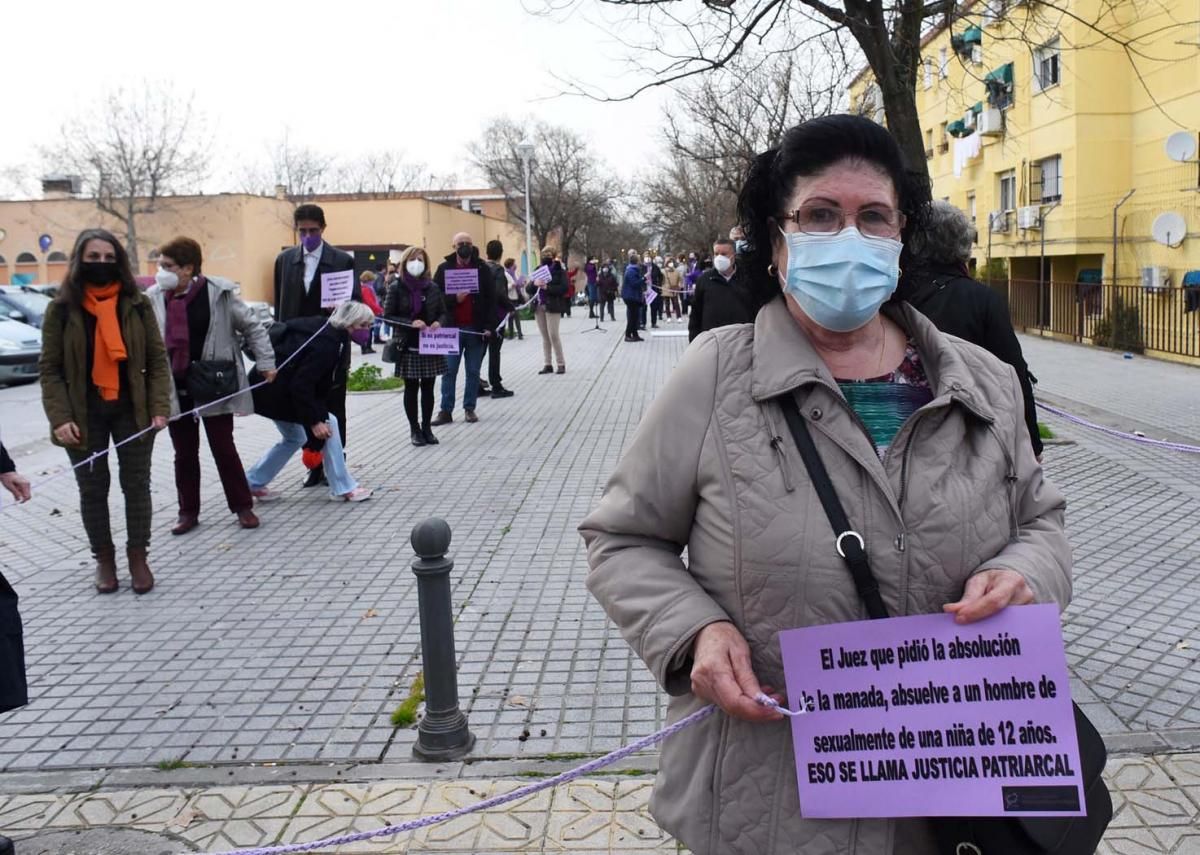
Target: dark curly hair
<point>70,290</point>
<point>808,149</point>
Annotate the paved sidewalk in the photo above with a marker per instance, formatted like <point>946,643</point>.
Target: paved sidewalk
<point>291,645</point>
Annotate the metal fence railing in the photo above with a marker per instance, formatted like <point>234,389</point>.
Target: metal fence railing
<point>1123,317</point>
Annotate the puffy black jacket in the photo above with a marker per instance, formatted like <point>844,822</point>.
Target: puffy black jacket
<point>963,307</point>
<point>556,289</point>
<point>398,306</point>
<point>718,303</point>
<point>301,390</point>
<point>483,302</point>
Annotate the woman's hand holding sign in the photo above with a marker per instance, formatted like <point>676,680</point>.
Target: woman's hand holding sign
<point>987,593</point>
<point>721,673</point>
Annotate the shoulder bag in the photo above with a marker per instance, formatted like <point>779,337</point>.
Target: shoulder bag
<point>968,835</point>
<point>211,379</point>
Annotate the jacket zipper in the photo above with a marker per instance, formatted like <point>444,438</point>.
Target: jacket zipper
<point>1011,482</point>
<point>912,435</point>
<point>777,444</point>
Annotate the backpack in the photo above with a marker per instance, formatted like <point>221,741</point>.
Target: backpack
<point>287,337</point>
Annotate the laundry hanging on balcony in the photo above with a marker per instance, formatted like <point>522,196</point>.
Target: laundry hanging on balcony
<point>965,149</point>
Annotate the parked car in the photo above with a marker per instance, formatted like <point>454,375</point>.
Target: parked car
<point>28,307</point>
<point>20,347</point>
<point>50,289</point>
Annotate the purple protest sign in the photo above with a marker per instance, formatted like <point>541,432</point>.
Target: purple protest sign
<point>439,342</point>
<point>651,295</point>
<point>465,281</point>
<point>919,716</point>
<point>336,288</point>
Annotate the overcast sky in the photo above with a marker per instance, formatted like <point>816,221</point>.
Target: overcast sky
<point>347,76</point>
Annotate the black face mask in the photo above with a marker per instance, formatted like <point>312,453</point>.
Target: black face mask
<point>547,260</point>
<point>465,251</point>
<point>99,272</point>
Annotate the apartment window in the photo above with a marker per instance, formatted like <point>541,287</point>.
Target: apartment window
<point>928,69</point>
<point>1046,68</point>
<point>971,214</point>
<point>1045,180</point>
<point>929,142</point>
<point>943,63</point>
<point>1008,190</point>
<point>943,138</point>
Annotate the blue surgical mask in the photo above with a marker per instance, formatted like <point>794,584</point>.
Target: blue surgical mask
<point>840,280</point>
<point>740,246</point>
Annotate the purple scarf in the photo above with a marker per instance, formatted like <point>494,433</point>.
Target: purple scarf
<point>179,346</point>
<point>416,289</point>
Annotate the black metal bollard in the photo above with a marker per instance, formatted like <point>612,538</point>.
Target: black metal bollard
<point>442,733</point>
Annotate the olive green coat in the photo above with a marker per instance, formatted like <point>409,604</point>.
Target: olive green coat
<point>64,372</point>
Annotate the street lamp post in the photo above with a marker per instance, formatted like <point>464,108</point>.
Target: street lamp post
<point>525,149</point>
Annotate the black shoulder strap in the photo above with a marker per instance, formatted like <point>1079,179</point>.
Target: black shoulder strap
<point>849,543</point>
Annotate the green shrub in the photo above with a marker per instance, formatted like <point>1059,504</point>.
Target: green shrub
<point>1044,431</point>
<point>1120,328</point>
<point>368,378</point>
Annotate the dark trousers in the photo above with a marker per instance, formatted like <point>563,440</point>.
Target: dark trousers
<point>612,310</point>
<point>514,323</point>
<point>185,437</point>
<point>105,420</point>
<point>494,345</point>
<point>632,314</point>
<point>411,388</point>
<point>655,311</point>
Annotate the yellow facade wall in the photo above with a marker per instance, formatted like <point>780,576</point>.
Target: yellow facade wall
<point>242,234</point>
<point>1108,118</point>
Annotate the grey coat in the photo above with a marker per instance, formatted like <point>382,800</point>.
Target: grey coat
<point>231,322</point>
<point>713,468</point>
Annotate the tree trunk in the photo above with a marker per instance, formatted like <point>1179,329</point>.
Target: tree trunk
<point>900,106</point>
<point>131,241</point>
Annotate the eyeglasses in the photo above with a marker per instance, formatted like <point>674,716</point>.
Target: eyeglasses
<point>874,221</point>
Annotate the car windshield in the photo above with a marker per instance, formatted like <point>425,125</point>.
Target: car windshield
<point>29,301</point>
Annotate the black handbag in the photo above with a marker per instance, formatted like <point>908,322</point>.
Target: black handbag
<point>960,835</point>
<point>391,352</point>
<point>210,379</point>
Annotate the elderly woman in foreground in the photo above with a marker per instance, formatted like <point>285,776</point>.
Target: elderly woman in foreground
<point>923,438</point>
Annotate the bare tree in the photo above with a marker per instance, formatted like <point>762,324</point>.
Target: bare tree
<point>708,35</point>
<point>384,171</point>
<point>567,190</point>
<point>687,203</point>
<point>132,150</point>
<point>300,170</point>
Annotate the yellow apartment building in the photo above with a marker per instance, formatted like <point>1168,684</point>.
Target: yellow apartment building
<point>241,233</point>
<point>1078,161</point>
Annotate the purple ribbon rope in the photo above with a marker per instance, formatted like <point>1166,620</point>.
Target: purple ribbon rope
<point>1120,434</point>
<point>545,784</point>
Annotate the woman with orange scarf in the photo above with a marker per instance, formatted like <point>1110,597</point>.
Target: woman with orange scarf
<point>104,375</point>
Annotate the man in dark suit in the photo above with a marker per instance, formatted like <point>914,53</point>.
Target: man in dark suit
<point>298,272</point>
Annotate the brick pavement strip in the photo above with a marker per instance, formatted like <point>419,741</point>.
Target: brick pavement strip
<point>1156,800</point>
<point>292,644</point>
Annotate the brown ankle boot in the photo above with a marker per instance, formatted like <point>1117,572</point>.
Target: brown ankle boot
<point>106,570</point>
<point>139,570</point>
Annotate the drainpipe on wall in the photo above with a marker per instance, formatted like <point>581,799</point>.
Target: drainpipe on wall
<point>1116,208</point>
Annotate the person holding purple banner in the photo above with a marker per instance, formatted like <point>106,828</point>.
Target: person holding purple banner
<point>549,307</point>
<point>474,313</point>
<point>413,299</point>
<point>925,444</point>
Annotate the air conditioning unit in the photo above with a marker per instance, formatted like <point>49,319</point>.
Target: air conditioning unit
<point>1029,217</point>
<point>969,119</point>
<point>1156,278</point>
<point>998,221</point>
<point>991,122</point>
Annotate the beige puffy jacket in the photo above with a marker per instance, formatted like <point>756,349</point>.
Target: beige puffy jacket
<point>713,468</point>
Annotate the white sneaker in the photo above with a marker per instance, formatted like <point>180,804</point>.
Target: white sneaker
<point>358,494</point>
<point>262,494</point>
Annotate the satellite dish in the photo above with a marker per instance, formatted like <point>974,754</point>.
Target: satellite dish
<point>1169,229</point>
<point>1181,146</point>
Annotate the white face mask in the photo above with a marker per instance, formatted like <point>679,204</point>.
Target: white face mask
<point>722,263</point>
<point>415,267</point>
<point>166,279</point>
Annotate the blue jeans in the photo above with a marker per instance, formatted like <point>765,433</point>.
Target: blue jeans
<point>471,348</point>
<point>291,437</point>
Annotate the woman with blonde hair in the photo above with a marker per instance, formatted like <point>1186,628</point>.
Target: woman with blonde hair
<point>551,303</point>
<point>414,300</point>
